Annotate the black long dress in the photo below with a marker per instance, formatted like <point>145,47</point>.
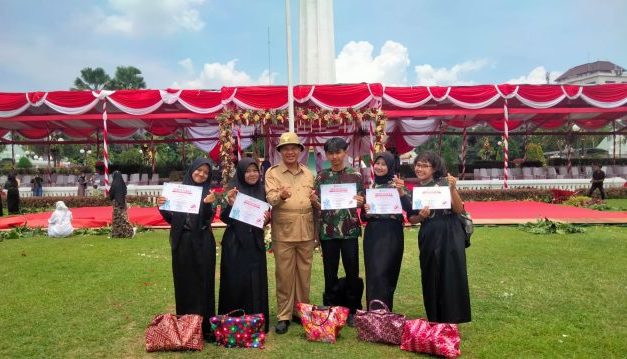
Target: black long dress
<point>441,241</point>
<point>384,244</point>
<point>194,256</point>
<point>13,195</point>
<point>243,269</point>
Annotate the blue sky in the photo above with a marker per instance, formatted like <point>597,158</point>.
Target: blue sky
<point>210,43</point>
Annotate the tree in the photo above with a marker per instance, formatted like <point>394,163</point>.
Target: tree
<point>127,78</point>
<point>92,79</point>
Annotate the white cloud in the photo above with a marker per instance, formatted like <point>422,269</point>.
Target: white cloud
<point>536,76</point>
<point>187,65</point>
<point>356,63</point>
<point>427,75</point>
<point>140,17</point>
<point>215,75</point>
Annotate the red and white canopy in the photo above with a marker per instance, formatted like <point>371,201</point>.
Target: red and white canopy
<point>412,109</point>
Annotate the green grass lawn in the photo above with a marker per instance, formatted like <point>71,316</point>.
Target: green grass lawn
<point>532,296</point>
<point>617,204</point>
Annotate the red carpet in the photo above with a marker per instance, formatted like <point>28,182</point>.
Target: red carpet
<point>481,212</point>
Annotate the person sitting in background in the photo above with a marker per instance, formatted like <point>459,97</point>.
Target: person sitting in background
<point>60,223</point>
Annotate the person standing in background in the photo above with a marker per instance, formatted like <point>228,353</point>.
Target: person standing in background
<point>598,176</point>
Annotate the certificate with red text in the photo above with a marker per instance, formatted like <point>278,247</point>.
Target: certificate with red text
<point>338,196</point>
<point>249,210</point>
<point>181,198</point>
<point>432,197</point>
<point>383,201</point>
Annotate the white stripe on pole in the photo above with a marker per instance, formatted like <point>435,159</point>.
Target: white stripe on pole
<point>290,92</point>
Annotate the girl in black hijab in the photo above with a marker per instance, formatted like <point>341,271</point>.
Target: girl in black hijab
<point>194,250</point>
<point>13,195</point>
<point>441,241</point>
<point>383,237</point>
<point>243,271</point>
<point>120,227</point>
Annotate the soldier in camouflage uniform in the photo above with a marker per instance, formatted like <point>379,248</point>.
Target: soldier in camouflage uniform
<point>338,232</point>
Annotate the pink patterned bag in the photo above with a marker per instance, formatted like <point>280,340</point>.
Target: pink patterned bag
<point>422,336</point>
<point>322,324</point>
<point>171,332</point>
<point>379,325</point>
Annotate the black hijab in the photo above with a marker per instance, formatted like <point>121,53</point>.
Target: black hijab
<point>389,161</point>
<point>118,189</point>
<point>188,180</point>
<point>254,190</point>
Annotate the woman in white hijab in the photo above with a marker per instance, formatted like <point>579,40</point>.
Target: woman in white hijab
<point>60,223</point>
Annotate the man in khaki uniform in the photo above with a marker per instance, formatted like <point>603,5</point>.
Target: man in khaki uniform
<point>289,185</point>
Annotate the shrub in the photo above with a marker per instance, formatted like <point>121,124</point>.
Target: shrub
<point>24,162</point>
<point>534,153</point>
<point>512,194</point>
<point>43,204</point>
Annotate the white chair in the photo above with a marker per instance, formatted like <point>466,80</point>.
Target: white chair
<point>71,180</point>
<point>125,177</point>
<point>25,182</point>
<point>61,181</point>
<point>609,172</point>
<point>483,174</point>
<point>475,174</point>
<point>143,179</point>
<point>551,173</point>
<point>515,173</point>
<point>3,179</point>
<point>527,173</point>
<point>494,173</point>
<point>574,171</point>
<point>563,171</point>
<point>154,180</point>
<point>538,173</point>
<point>134,179</point>
<point>588,171</point>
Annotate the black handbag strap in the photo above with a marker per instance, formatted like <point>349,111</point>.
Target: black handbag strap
<point>320,309</point>
<point>377,301</point>
<point>230,314</point>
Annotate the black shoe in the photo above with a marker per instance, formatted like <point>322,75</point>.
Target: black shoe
<point>281,327</point>
<point>296,320</point>
<point>351,320</point>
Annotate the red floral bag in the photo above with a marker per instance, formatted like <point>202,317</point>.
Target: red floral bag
<point>422,336</point>
<point>171,332</point>
<point>322,324</point>
<point>245,331</point>
<point>379,325</point>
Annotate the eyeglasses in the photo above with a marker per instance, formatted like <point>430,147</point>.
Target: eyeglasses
<point>422,165</point>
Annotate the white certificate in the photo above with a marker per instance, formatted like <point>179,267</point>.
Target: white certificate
<point>249,210</point>
<point>181,198</point>
<point>383,201</point>
<point>432,197</point>
<point>338,196</point>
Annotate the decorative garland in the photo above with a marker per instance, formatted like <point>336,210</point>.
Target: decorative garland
<point>303,117</point>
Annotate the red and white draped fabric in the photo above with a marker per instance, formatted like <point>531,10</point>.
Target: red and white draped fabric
<point>413,112</point>
<point>35,115</point>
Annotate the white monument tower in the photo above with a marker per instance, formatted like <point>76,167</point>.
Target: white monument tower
<point>316,42</point>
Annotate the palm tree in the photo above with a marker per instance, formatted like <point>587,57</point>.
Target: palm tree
<point>92,79</point>
<point>126,78</point>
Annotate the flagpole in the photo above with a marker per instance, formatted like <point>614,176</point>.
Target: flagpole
<point>290,93</point>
